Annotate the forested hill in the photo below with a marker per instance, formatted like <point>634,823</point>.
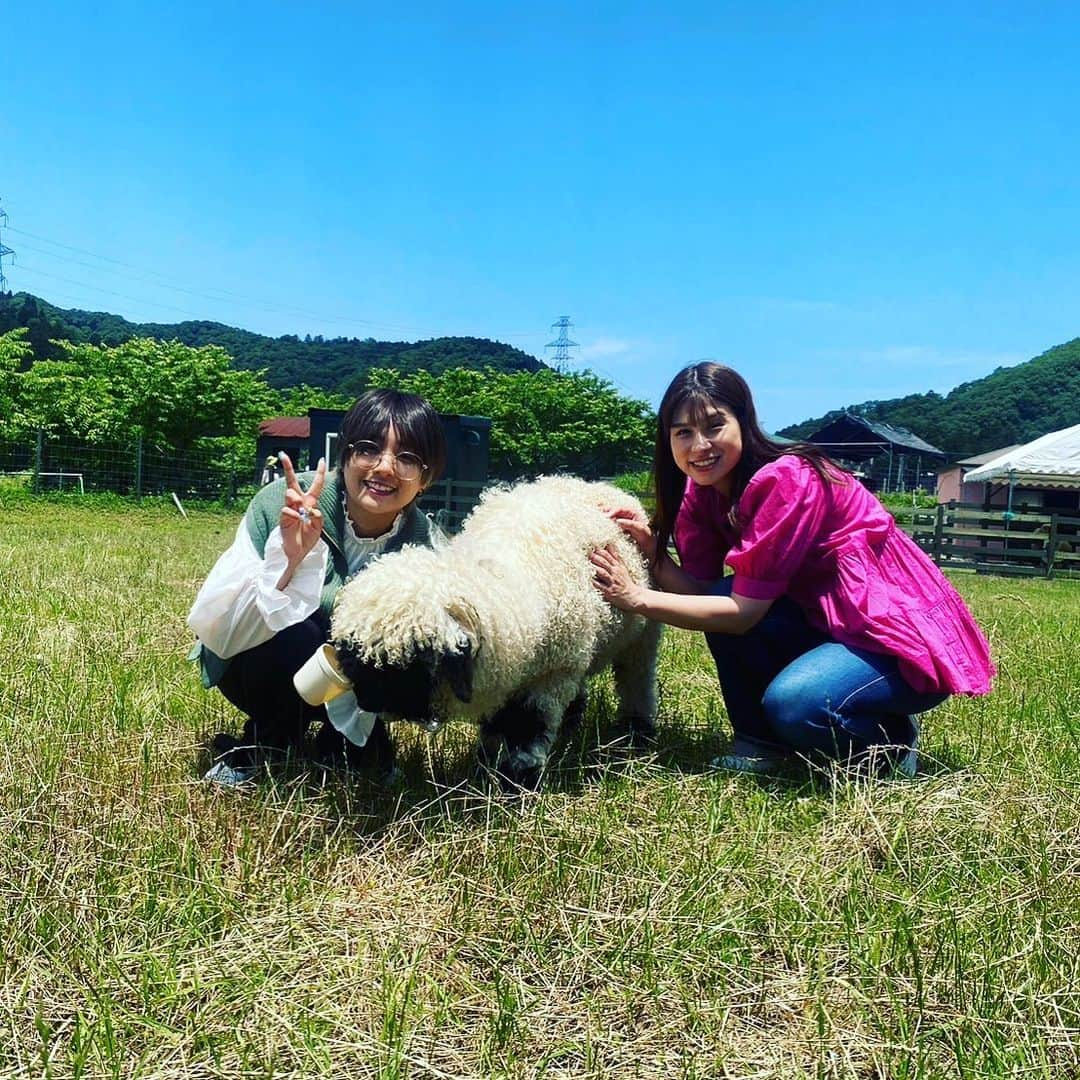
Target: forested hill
<point>1012,405</point>
<point>333,363</point>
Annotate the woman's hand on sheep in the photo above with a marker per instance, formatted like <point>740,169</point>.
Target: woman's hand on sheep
<point>613,581</point>
<point>636,525</point>
<point>301,520</point>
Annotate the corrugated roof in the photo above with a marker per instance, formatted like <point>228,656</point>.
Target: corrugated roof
<point>901,437</point>
<point>286,427</point>
<point>875,435</point>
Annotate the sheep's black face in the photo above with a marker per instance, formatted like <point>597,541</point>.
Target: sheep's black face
<point>409,691</point>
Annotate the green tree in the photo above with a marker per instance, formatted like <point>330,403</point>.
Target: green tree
<point>168,393</point>
<point>172,394</point>
<point>14,350</point>
<point>59,399</point>
<point>296,400</point>
<point>542,421</point>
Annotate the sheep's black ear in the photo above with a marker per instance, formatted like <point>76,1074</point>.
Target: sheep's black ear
<point>457,669</point>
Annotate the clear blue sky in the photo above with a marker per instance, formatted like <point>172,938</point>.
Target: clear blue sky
<point>843,201</point>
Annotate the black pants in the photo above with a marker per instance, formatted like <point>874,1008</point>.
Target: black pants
<point>259,682</point>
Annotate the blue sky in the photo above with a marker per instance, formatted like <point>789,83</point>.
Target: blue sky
<point>844,203</point>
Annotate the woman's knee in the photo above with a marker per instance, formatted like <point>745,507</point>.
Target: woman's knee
<point>794,702</point>
<point>293,646</point>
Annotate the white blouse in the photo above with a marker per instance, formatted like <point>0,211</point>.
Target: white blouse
<point>240,606</point>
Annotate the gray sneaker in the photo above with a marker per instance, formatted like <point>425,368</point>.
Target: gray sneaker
<point>907,764</point>
<point>751,756</point>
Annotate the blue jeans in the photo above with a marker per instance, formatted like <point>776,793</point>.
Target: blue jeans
<point>786,683</point>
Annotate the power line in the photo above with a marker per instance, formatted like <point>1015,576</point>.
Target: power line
<point>4,250</point>
<point>224,294</point>
<point>164,282</point>
<point>106,292</point>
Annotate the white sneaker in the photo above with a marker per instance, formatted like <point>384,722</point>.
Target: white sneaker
<point>225,775</point>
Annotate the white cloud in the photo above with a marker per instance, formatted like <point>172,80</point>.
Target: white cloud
<point>929,356</point>
<point>605,347</point>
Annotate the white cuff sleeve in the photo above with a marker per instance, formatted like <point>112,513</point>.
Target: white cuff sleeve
<point>240,607</point>
<point>348,718</point>
<point>301,596</point>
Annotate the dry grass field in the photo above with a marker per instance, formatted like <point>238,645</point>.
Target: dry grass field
<point>639,918</point>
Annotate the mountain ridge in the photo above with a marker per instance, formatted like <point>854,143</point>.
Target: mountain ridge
<point>1010,405</point>
<point>331,363</point>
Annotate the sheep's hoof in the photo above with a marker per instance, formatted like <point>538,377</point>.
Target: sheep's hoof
<point>641,733</point>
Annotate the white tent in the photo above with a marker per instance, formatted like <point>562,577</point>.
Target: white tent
<point>1050,461</point>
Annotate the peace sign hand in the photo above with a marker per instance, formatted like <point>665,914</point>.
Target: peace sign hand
<point>301,520</point>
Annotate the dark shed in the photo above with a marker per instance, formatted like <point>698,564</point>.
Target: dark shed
<point>886,458</point>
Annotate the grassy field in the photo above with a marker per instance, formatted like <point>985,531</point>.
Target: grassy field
<point>642,918</point>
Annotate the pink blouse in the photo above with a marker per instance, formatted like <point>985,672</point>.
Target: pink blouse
<point>837,553</point>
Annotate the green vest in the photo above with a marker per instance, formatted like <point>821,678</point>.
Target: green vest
<point>262,517</point>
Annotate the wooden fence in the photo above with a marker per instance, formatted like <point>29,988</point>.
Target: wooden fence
<point>997,541</point>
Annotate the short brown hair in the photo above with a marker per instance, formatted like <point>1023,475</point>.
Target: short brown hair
<point>416,423</point>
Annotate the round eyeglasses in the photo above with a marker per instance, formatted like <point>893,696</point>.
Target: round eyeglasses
<point>407,465</point>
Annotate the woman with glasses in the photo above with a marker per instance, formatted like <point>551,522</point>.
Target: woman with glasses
<point>265,608</point>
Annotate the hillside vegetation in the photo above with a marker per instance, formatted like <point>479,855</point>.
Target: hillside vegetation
<point>1012,405</point>
<point>339,364</point>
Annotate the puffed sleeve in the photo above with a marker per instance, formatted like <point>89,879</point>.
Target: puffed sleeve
<point>702,536</point>
<point>782,512</point>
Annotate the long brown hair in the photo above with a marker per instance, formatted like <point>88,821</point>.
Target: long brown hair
<point>709,384</point>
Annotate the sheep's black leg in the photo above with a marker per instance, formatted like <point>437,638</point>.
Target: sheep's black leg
<point>575,713</point>
<point>376,755</point>
<point>515,743</point>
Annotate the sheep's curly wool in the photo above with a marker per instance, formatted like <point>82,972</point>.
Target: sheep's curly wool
<point>502,625</point>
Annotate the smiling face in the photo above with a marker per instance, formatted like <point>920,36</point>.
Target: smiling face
<point>706,443</point>
<point>377,494</point>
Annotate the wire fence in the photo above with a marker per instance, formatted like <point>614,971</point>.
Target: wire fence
<point>47,464</point>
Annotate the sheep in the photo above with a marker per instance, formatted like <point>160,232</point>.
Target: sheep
<point>502,626</point>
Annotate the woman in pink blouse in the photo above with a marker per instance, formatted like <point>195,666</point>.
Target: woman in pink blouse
<point>834,629</point>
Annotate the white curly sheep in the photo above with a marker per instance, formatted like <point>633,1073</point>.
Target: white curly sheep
<point>502,626</point>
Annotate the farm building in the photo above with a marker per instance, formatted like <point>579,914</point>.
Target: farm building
<point>288,434</point>
<point>307,438</point>
<point>884,457</point>
<point>1015,510</point>
<point>951,486</point>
